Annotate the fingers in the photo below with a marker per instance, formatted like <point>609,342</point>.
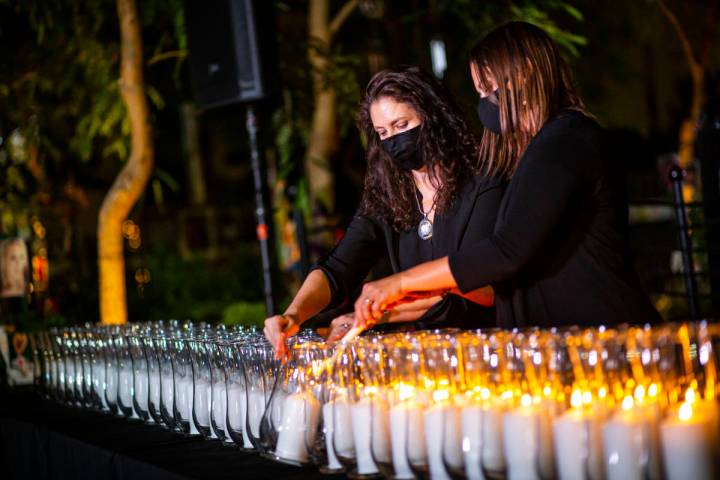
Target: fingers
<point>339,327</point>
<point>277,329</point>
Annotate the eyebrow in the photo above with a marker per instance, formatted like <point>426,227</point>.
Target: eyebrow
<point>397,120</point>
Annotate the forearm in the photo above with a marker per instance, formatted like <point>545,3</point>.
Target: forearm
<point>428,276</point>
<point>314,295</point>
<point>408,312</point>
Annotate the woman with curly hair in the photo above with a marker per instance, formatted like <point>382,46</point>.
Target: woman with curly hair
<point>424,198</point>
<point>558,253</point>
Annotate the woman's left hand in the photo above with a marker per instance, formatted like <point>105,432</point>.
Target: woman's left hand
<point>375,298</point>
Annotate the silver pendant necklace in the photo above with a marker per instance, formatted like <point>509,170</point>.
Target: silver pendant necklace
<point>425,227</point>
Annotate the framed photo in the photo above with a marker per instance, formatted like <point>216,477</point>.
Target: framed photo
<point>14,267</point>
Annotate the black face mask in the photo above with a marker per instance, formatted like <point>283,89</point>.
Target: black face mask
<point>403,149</point>
<point>489,113</point>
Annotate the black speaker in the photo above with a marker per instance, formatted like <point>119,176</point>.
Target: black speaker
<point>229,44</point>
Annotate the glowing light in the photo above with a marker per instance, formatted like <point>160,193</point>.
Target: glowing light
<point>652,390</point>
<point>485,393</point>
<point>685,412</point>
<point>602,392</point>
<point>547,391</point>
<point>587,397</point>
<point>537,358</point>
<point>576,399</point>
<point>639,393</point>
<point>440,395</point>
<point>690,395</point>
<point>628,403</point>
<point>371,390</point>
<point>526,400</point>
<point>592,358</point>
<point>506,395</point>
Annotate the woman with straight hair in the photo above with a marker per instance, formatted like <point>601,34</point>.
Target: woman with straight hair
<point>426,195</point>
<point>558,253</point>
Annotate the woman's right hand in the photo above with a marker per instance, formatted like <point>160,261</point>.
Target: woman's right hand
<point>278,329</point>
<point>339,327</point>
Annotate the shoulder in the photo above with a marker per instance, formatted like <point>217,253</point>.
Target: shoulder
<point>570,127</point>
<point>480,184</point>
<point>570,140</point>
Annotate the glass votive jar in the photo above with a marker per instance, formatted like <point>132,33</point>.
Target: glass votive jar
<point>125,388</point>
<point>182,383</point>
<point>237,396</point>
<point>141,381</point>
<point>154,377</point>
<point>202,385</point>
<point>219,395</point>
<point>162,343</point>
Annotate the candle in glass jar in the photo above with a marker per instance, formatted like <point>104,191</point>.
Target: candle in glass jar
<point>141,389</point>
<point>631,443</point>
<point>255,411</point>
<point>237,413</point>
<point>154,384</point>
<point>301,414</point>
<point>527,433</point>
<point>219,407</point>
<point>365,422</point>
<point>99,384</point>
<point>168,392</point>
<point>343,432</point>
<point>399,414</point>
<point>577,436</point>
<point>111,384</point>
<point>689,442</point>
<point>201,403</point>
<point>125,387</point>
<point>442,432</point>
<point>471,419</point>
<point>278,404</point>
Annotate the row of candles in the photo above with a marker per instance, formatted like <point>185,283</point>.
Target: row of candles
<point>616,403</point>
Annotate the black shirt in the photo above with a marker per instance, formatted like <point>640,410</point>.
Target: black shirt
<point>558,253</point>
<point>470,219</point>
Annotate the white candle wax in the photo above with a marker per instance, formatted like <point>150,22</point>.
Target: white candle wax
<point>125,387</point>
<point>631,445</point>
<point>301,414</point>
<point>154,384</point>
<point>201,403</point>
<point>343,439</point>
<point>329,431</point>
<point>99,384</point>
<point>528,440</point>
<point>689,445</point>
<point>69,375</point>
<point>278,404</point>
<point>399,430</point>
<point>442,425</point>
<point>493,455</point>
<point>219,407</point>
<point>255,411</point>
<point>237,413</point>
<point>471,420</point>
<point>365,422</point>
<point>416,446</point>
<point>189,386</point>
<point>577,438</point>
<point>78,373</point>
<point>111,384</point>
<point>168,393</point>
<point>141,390</point>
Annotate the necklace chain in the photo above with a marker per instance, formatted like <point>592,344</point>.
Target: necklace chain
<point>422,212</point>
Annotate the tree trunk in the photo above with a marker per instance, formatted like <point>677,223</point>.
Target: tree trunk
<point>133,178</point>
<point>321,30</point>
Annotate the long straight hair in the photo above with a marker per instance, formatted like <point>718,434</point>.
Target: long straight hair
<point>534,85</point>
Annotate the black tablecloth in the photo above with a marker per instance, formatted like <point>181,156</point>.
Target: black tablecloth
<point>40,439</point>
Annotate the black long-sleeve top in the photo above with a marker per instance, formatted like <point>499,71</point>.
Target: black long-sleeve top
<point>558,253</point>
<point>470,219</point>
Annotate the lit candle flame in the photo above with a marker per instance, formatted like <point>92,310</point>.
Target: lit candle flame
<point>685,412</point>
<point>526,400</point>
<point>576,399</point>
<point>627,403</point>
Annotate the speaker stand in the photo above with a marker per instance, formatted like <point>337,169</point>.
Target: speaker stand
<point>260,210</point>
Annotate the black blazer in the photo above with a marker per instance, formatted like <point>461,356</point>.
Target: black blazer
<point>469,220</point>
<point>558,254</point>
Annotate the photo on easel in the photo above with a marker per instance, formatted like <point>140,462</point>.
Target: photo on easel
<point>14,268</point>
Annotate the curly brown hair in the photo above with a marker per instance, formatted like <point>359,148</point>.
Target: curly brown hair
<point>446,143</point>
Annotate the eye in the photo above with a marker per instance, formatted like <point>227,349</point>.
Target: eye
<point>381,133</point>
<point>401,125</point>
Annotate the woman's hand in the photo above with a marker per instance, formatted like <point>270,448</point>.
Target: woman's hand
<point>339,327</point>
<point>375,298</point>
<point>278,329</point>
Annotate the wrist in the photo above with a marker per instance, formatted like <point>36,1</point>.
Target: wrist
<point>293,316</point>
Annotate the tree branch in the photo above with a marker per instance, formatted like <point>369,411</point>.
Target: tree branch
<point>682,36</point>
<point>167,55</point>
<point>341,16</point>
